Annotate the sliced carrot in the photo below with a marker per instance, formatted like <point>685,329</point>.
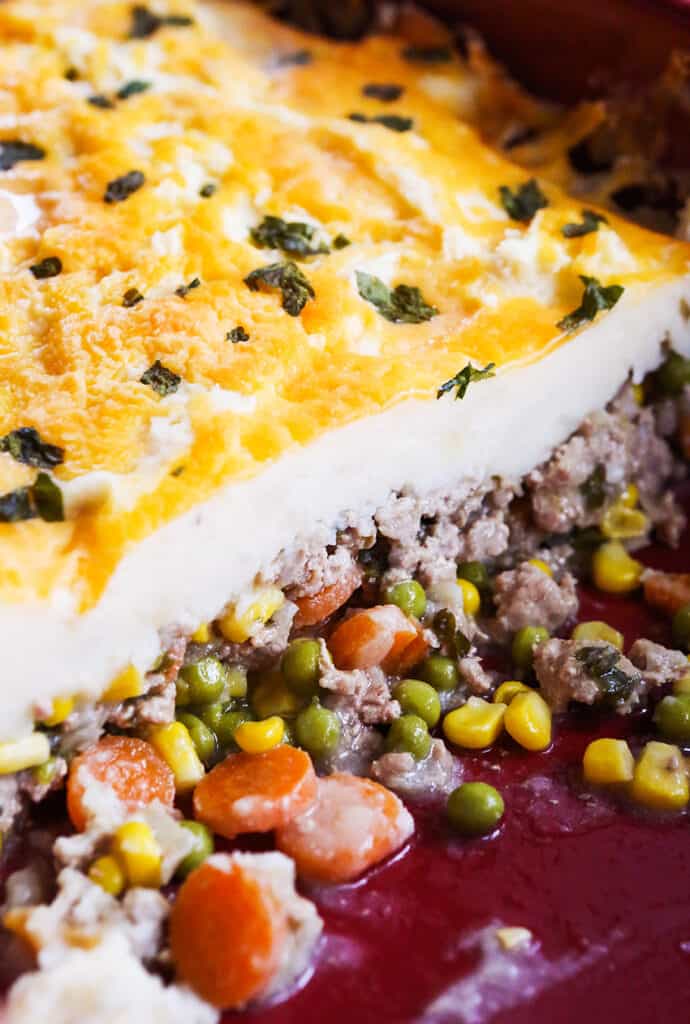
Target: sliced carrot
<point>227,933</point>
<point>255,792</point>
<point>129,767</point>
<point>374,636</point>
<point>318,607</point>
<point>354,824</point>
<point>667,591</point>
<point>406,653</point>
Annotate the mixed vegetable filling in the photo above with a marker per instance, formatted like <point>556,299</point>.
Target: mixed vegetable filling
<point>315,708</point>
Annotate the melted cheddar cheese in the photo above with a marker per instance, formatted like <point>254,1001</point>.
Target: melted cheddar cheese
<point>419,207</point>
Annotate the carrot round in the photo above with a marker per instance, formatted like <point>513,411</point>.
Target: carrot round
<point>130,767</point>
<point>318,607</point>
<point>255,792</point>
<point>374,636</point>
<point>354,824</point>
<point>227,933</point>
<point>667,591</point>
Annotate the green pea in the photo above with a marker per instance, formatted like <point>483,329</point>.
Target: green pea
<point>673,374</point>
<point>524,642</point>
<point>317,729</point>
<point>203,848</point>
<point>205,679</point>
<point>228,723</point>
<point>409,734</point>
<point>409,597</point>
<point>475,809</point>
<point>439,672</point>
<point>681,627</point>
<point>210,714</point>
<point>300,666</point>
<point>418,698</point>
<point>203,738</point>
<point>475,572</point>
<point>235,682</point>
<point>44,773</point>
<point>672,718</point>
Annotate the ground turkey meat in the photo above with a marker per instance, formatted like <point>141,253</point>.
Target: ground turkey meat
<point>437,773</point>
<point>366,692</point>
<point>527,596</point>
<point>587,673</point>
<point>358,745</point>
<point>658,664</point>
<point>478,681</point>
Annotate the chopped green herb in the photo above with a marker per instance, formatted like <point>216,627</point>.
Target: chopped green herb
<point>394,122</point>
<point>594,490</point>
<point>122,188</point>
<point>427,54</point>
<point>293,237</point>
<point>522,203</point>
<point>42,499</point>
<point>177,471</point>
<point>132,88</point>
<point>286,278</point>
<point>72,75</point>
<point>463,378</point>
<point>161,379</point>
<point>601,663</point>
<point>132,297</point>
<point>101,101</point>
<point>236,335</point>
<point>403,304</point>
<point>387,92</point>
<point>13,151</point>
<point>298,58</point>
<point>453,640</point>
<point>594,298</point>
<point>51,266</point>
<point>26,445</point>
<point>208,190</point>
<point>144,22</point>
<point>590,222</point>
<point>341,242</point>
<point>184,289</point>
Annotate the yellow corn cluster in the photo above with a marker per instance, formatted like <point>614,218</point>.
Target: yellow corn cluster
<point>607,762</point>
<point>257,737</point>
<point>521,711</point>
<point>471,598</point>
<point>239,621</point>
<point>587,632</point>
<point>658,780</point>
<point>28,752</point>
<point>137,852</point>
<point>129,683</point>
<point>614,571</point>
<point>176,747</point>
<point>62,709</point>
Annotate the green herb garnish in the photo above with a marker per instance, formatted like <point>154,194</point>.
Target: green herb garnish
<point>341,242</point>
<point>132,297</point>
<point>100,101</point>
<point>298,58</point>
<point>427,54</point>
<point>452,639</point>
<point>161,379</point>
<point>594,490</point>
<point>463,378</point>
<point>40,500</point>
<point>601,663</point>
<point>72,75</point>
<point>387,92</point>
<point>590,222</point>
<point>237,335</point>
<point>122,188</point>
<point>13,151</point>
<point>286,278</point>
<point>394,122</point>
<point>26,445</point>
<point>595,297</point>
<point>184,289</point>
<point>294,237</point>
<point>144,22</point>
<point>403,304</point>
<point>132,88</point>
<point>208,190</point>
<point>522,203</point>
<point>51,266</point>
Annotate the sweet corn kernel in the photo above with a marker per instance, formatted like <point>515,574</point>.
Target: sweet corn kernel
<point>239,621</point>
<point>25,753</point>
<point>622,523</point>
<point>62,709</point>
<point>538,563</point>
<point>513,937</point>
<point>106,872</point>
<point>682,685</point>
<point>129,683</point>
<point>176,747</point>
<point>471,598</point>
<point>271,696</point>
<point>256,737</point>
<point>586,632</point>
<point>608,761</point>
<point>613,569</point>
<point>202,634</point>
<point>475,725</point>
<point>136,849</point>
<point>630,496</point>
<point>660,779</point>
<point>638,393</point>
<point>528,721</point>
<point>506,691</point>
